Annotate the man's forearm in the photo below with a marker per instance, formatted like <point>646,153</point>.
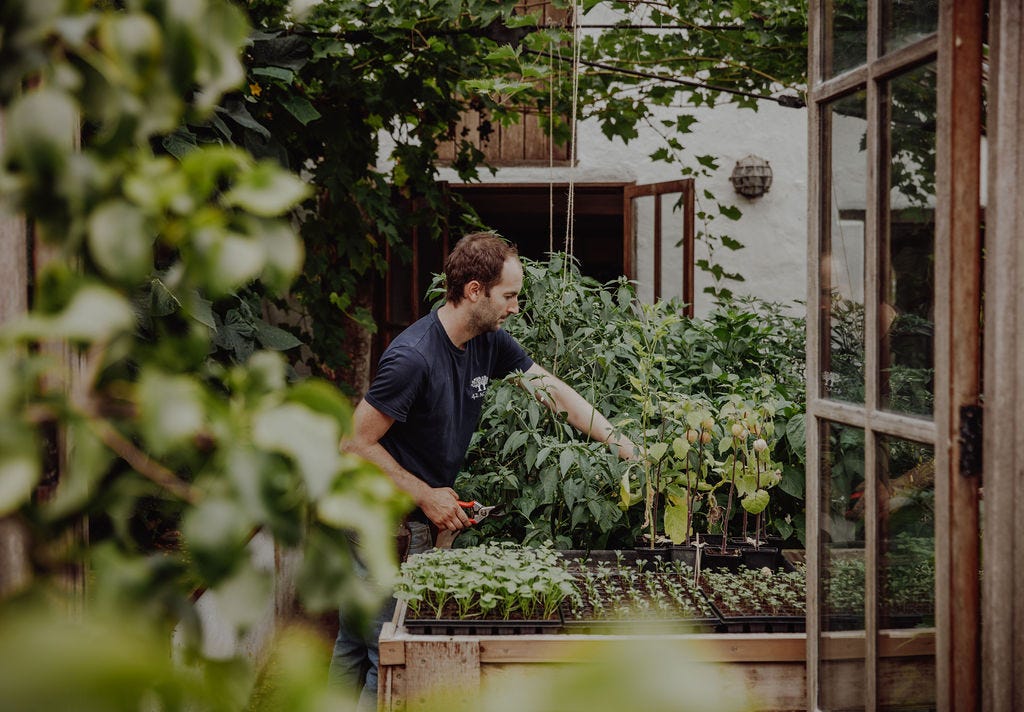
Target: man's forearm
<point>562,398</point>
<point>403,479</point>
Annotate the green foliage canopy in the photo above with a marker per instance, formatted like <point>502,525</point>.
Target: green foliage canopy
<point>112,361</point>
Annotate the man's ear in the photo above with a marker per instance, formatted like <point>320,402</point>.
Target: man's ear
<point>473,290</point>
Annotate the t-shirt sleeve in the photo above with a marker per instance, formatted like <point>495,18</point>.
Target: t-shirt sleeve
<point>509,355</point>
<point>400,376</point>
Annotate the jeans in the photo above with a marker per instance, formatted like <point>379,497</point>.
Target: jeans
<point>356,648</point>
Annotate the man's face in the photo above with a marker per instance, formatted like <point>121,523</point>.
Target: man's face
<point>503,301</point>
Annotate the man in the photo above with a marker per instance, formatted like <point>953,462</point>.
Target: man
<point>424,404</point>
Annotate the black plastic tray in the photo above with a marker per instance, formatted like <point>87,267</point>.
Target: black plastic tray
<point>436,626</point>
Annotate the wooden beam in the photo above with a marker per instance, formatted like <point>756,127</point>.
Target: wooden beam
<point>957,349</point>
<point>1003,594</point>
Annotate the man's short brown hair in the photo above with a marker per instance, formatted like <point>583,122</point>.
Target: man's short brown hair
<point>477,256</point>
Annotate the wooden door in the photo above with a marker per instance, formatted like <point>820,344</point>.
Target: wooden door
<point>894,353</point>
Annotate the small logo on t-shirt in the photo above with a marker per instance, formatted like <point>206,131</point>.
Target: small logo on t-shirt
<point>478,387</point>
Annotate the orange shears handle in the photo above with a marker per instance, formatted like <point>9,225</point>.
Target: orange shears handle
<point>473,508</point>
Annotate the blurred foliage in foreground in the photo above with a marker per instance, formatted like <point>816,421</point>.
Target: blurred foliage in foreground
<point>131,457</point>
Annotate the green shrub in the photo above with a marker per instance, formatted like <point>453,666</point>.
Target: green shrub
<point>642,366</point>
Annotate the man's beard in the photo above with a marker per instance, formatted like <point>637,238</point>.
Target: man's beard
<point>485,322</point>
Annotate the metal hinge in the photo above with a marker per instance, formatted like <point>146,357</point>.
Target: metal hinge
<point>970,440</point>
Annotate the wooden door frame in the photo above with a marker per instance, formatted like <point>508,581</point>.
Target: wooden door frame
<point>1003,450</point>
<point>956,49</point>
<point>685,187</point>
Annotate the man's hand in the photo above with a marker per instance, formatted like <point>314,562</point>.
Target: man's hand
<point>441,505</point>
<point>624,447</point>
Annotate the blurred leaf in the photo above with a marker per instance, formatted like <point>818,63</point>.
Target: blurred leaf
<point>171,410</point>
<point>310,439</point>
<point>19,473</point>
<point>267,191</point>
<point>119,242</point>
<point>39,131</point>
<point>216,532</point>
<point>322,397</point>
<point>88,461</point>
<point>95,313</point>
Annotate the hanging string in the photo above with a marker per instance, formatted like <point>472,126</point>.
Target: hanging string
<point>570,223</point>
<point>555,69</point>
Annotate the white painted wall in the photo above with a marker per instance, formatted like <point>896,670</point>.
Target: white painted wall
<point>773,228</point>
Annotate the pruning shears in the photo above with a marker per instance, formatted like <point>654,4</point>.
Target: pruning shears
<point>476,513</point>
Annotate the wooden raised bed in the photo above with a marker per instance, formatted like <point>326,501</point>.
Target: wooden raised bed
<point>770,666</point>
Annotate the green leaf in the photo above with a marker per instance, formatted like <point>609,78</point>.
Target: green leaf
<point>549,483</point>
<point>308,438</point>
<point>171,410</point>
<point>235,261</point>
<point>756,502</point>
<point>322,397</point>
<point>275,338</point>
<point>244,598</point>
<point>95,313</point>
<point>119,242</point>
<point>279,73</point>
<point>284,254</point>
<point>657,451</point>
<point>566,459</point>
<point>216,530</point>
<point>162,300</point>
<point>730,211</point>
<point>301,108</point>
<point>88,461</point>
<point>675,523</point>
<point>796,434</point>
<point>684,122</point>
<point>680,447</point>
<point>238,112</point>
<point>708,161</point>
<point>725,444</point>
<point>39,133</point>
<point>19,474</point>
<point>267,191</point>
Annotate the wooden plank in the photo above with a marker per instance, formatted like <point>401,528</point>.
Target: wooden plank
<point>957,348</point>
<point>536,143</point>
<point>898,61</point>
<point>392,646</point>
<point>512,138</point>
<point>13,259</point>
<point>709,647</point>
<point>815,172</point>
<point>689,212</point>
<point>1003,595</point>
<point>441,674</point>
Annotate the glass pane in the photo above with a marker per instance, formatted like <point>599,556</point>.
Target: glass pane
<point>906,574</point>
<point>842,674</point>
<point>846,38</point>
<point>842,250</point>
<point>907,255</point>
<point>906,21</point>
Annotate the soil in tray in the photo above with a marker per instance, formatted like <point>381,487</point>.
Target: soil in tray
<point>755,594</point>
<point>478,623</point>
<point>649,598</point>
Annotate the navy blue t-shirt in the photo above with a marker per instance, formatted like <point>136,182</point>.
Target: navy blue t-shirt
<point>435,392</point>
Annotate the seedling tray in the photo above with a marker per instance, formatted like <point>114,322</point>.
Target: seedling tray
<point>440,626</point>
<point>760,624</point>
